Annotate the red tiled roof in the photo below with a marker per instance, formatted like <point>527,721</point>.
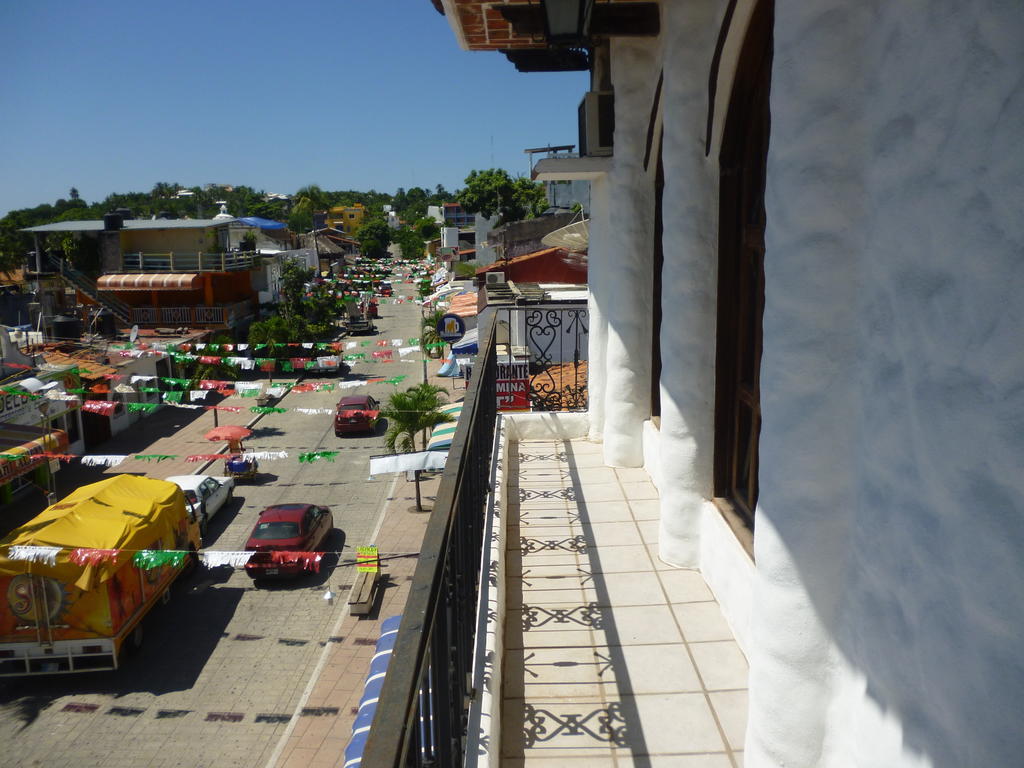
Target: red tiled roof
<point>545,266</point>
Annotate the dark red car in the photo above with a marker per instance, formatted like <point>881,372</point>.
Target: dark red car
<point>289,528</point>
<point>358,413</point>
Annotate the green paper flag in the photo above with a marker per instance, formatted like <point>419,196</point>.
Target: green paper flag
<point>309,458</point>
<point>157,457</point>
<point>136,407</point>
<point>267,409</point>
<point>148,559</point>
<point>173,397</point>
<point>364,343</point>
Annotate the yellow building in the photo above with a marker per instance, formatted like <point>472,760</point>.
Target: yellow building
<point>347,218</point>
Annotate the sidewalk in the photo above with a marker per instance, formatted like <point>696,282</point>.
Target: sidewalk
<point>318,742</point>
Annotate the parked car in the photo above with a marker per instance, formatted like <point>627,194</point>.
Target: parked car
<point>357,413</point>
<point>206,494</point>
<point>286,528</point>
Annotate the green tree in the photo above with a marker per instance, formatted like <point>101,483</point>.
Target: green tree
<point>429,337</point>
<point>409,415</point>
<point>409,241</point>
<point>374,237</point>
<point>494,191</point>
<point>427,228</point>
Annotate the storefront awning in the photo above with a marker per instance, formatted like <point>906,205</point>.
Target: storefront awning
<point>144,282</point>
<point>442,435</point>
<point>406,462</point>
<point>21,444</point>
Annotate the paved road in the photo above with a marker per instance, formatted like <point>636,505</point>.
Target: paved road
<point>224,666</point>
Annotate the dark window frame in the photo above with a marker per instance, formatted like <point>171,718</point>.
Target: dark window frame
<point>742,161</point>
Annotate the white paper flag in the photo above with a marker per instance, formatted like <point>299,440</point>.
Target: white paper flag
<point>47,555</point>
<point>102,461</point>
<point>217,559</point>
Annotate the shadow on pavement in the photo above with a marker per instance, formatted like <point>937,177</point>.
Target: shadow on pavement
<point>178,640</point>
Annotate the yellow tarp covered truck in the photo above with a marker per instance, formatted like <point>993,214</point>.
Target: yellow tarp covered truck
<point>77,614</point>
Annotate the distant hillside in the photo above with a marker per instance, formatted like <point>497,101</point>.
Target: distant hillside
<point>165,199</point>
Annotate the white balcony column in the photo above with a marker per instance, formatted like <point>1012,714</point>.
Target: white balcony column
<point>689,282</point>
<point>629,235</point>
<point>598,259</point>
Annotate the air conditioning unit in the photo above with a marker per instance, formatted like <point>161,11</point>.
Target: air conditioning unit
<point>597,123</point>
<point>495,278</point>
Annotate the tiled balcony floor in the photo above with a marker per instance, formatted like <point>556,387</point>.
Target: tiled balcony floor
<point>612,658</point>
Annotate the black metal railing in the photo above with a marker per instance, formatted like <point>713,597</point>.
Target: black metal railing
<point>422,711</point>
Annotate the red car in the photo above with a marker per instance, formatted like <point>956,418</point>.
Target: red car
<point>358,413</point>
<point>292,528</point>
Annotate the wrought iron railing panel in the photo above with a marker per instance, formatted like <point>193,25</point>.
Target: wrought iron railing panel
<point>423,707</point>
<point>557,340</point>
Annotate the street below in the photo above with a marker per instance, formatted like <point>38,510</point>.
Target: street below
<point>225,667</point>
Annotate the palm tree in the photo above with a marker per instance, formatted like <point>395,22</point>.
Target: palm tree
<point>429,335</point>
<point>410,413</point>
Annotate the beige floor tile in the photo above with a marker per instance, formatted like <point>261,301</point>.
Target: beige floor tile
<point>604,512</point>
<point>738,756</point>
<point>634,557</point>
<point>721,664</point>
<point>554,673</point>
<point>560,761</point>
<point>684,586</point>
<point>677,722</point>
<point>702,621</point>
<point>557,727</point>
<point>560,637</point>
<point>731,708</point>
<point>645,509</point>
<point>535,596</point>
<point>611,534</point>
<point>638,625</point>
<point>591,492</point>
<point>552,515</point>
<point>630,588</point>
<point>587,460</point>
<point>640,669</point>
<point>649,530</point>
<point>581,447</point>
<point>707,760</point>
<point>641,490</point>
<point>539,570</point>
<point>632,475</point>
<point>584,476</point>
<point>554,617</point>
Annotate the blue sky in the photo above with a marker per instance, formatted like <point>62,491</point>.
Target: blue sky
<point>350,94</point>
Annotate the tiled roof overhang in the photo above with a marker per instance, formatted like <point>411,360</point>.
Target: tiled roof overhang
<point>481,26</point>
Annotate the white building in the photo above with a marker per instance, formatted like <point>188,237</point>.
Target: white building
<point>826,199</point>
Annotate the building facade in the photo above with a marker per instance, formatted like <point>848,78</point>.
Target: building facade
<point>805,296</point>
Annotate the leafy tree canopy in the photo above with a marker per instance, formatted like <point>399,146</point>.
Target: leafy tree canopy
<point>374,237</point>
<point>494,191</point>
<point>410,241</point>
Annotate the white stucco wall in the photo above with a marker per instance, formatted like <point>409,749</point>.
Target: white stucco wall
<point>887,612</point>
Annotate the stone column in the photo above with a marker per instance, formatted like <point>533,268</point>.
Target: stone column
<point>598,260</point>
<point>689,281</point>
<point>630,219</point>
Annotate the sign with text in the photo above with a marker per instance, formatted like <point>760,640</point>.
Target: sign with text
<point>513,386</point>
<point>367,560</point>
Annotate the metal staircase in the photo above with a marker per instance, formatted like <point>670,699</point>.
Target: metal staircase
<point>87,285</point>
